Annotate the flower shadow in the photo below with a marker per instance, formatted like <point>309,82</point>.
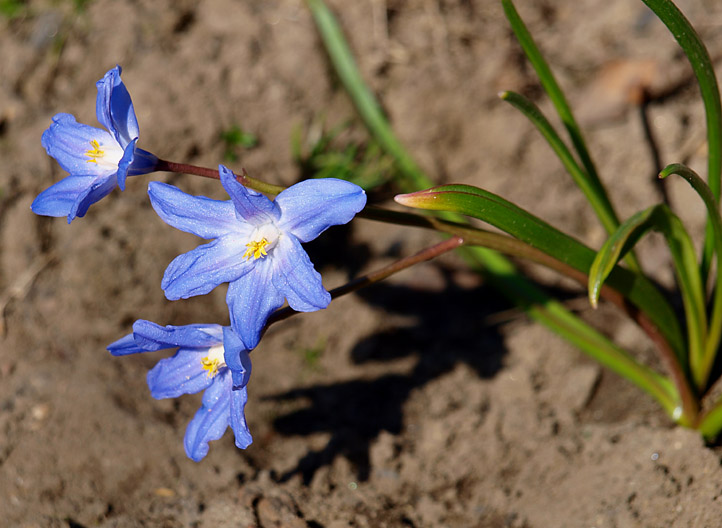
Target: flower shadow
<point>448,327</point>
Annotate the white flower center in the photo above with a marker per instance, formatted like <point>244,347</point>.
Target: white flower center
<point>262,241</point>
<point>214,360</point>
<point>105,156</point>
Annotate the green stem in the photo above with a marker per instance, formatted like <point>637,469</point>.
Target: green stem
<point>710,422</point>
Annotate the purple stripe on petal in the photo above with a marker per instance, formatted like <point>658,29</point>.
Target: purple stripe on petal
<point>199,215</point>
<point>251,299</point>
<point>236,357</point>
<point>181,374</point>
<point>239,397</point>
<point>124,346</point>
<point>295,277</point>
<point>205,267</point>
<point>100,188</point>
<point>60,198</point>
<point>312,206</point>
<point>152,336</point>
<point>114,108</point>
<point>251,206</point>
<point>124,163</point>
<point>211,420</point>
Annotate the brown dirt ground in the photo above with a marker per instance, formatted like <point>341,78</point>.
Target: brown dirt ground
<point>430,404</point>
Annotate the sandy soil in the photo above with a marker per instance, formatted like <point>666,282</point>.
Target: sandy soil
<point>420,402</point>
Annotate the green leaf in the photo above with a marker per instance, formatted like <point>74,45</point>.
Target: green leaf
<point>703,68</point>
<point>598,199</point>
<point>616,246</point>
<point>662,219</point>
<point>710,424</point>
<point>713,215</point>
<point>521,224</point>
<point>499,270</point>
<point>592,185</point>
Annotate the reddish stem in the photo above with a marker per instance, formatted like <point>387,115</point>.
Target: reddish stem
<point>378,275</point>
<point>243,178</point>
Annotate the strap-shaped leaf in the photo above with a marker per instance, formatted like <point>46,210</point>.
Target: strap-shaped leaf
<point>715,326</point>
<point>660,218</point>
<point>498,269</point>
<point>592,185</point>
<point>599,201</point>
<point>703,68</point>
<point>501,213</point>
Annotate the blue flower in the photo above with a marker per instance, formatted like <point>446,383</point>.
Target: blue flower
<point>97,160</point>
<point>257,247</point>
<point>210,358</point>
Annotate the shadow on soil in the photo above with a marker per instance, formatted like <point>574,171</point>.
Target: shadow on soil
<point>445,331</point>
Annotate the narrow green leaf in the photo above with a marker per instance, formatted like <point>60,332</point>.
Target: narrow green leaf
<point>500,271</point>
<point>366,104</point>
<point>703,67</point>
<point>599,348</point>
<point>710,424</point>
<point>661,218</point>
<point>602,206</point>
<point>621,241</point>
<point>491,208</point>
<point>713,214</point>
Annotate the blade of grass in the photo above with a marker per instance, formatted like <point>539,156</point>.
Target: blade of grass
<point>703,68</point>
<point>523,225</point>
<point>661,218</point>
<point>715,326</point>
<point>499,270</point>
<point>599,348</point>
<point>601,203</point>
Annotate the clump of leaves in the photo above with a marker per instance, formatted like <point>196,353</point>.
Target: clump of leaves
<point>333,153</point>
<point>11,9</point>
<point>234,140</point>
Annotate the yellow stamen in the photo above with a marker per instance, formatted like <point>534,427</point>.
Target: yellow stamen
<point>95,152</point>
<point>211,365</point>
<point>256,249</point>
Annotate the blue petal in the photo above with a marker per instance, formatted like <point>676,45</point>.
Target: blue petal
<point>236,357</point>
<point>312,206</point>
<point>239,397</point>
<point>124,346</point>
<point>211,420</point>
<point>100,188</point>
<point>143,162</point>
<point>295,277</point>
<point>124,163</point>
<point>151,336</point>
<point>205,267</point>
<point>251,299</point>
<point>67,141</point>
<point>199,215</point>
<point>181,374</point>
<point>61,198</point>
<point>114,108</point>
<point>251,206</point>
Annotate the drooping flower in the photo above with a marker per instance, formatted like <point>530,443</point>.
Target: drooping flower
<point>257,247</point>
<point>209,357</point>
<point>98,161</point>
